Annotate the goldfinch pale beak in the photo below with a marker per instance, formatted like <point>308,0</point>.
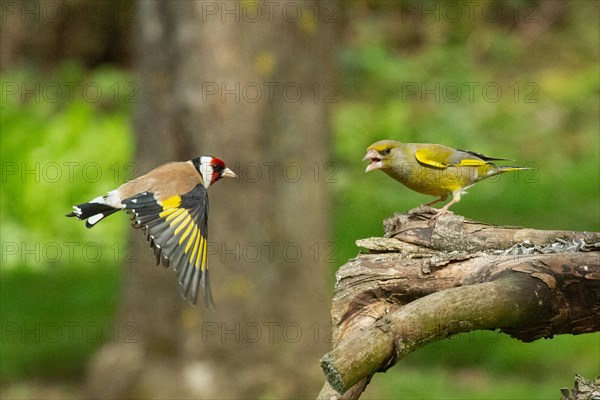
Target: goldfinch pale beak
<point>227,173</point>
<point>375,160</point>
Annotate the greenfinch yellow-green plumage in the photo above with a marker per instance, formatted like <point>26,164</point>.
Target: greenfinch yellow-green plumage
<point>433,169</point>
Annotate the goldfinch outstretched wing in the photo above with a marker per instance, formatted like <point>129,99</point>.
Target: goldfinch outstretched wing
<point>177,230</point>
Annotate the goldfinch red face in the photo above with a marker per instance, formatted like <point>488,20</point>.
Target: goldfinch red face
<point>212,169</point>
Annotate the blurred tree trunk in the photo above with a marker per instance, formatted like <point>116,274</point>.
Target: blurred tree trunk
<point>253,91</point>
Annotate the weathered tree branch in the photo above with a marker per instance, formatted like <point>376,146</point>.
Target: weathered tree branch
<point>423,283</point>
<point>582,390</point>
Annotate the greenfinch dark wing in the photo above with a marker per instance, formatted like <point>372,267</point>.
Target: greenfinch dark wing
<point>439,156</point>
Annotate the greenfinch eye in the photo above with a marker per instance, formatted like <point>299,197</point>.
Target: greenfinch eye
<point>387,151</point>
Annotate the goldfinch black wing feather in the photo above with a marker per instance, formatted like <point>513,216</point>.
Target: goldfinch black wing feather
<point>177,230</point>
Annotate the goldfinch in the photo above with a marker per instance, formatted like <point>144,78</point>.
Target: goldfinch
<point>433,169</point>
<point>170,205</point>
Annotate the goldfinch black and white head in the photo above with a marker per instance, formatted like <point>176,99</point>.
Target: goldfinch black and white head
<point>170,205</point>
<point>212,169</point>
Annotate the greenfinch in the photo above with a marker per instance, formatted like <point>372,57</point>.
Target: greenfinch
<point>433,169</point>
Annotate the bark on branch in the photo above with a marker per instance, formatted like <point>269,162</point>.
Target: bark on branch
<point>422,283</point>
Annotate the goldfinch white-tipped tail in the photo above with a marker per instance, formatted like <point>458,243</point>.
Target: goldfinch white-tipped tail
<point>97,209</point>
<point>92,212</point>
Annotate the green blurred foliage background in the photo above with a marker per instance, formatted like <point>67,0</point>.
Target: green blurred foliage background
<point>59,282</point>
<point>509,88</point>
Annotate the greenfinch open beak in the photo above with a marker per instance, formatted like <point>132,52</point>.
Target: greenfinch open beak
<point>375,160</point>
